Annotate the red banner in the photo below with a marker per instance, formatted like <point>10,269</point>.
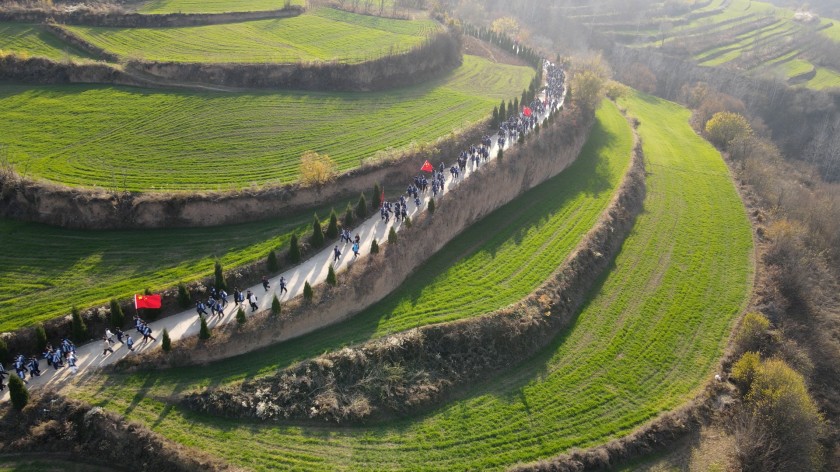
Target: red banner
<point>427,167</point>
<point>146,301</point>
<point>526,111</point>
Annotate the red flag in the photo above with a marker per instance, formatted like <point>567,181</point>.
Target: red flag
<point>382,198</point>
<point>146,301</point>
<point>526,111</point>
<point>427,167</point>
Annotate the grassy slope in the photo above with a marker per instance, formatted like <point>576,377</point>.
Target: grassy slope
<point>645,343</point>
<point>212,6</point>
<point>51,269</point>
<point>323,35</point>
<point>495,262</point>
<point>33,41</point>
<point>153,139</point>
<point>825,78</point>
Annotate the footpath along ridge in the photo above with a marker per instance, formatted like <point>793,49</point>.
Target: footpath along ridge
<point>313,270</point>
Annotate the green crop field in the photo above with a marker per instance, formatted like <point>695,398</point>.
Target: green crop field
<point>832,31</point>
<point>136,139</point>
<point>493,263</point>
<point>795,67</point>
<point>324,34</point>
<point>16,463</point>
<point>212,6</point>
<point>52,269</point>
<point>647,340</point>
<point>33,41</point>
<point>825,78</point>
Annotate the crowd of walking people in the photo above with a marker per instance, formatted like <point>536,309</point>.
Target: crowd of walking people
<point>434,181</point>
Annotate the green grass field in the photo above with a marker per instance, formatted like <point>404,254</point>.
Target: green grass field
<point>52,269</point>
<point>324,34</point>
<point>212,6</point>
<point>157,140</point>
<point>825,78</point>
<point>645,343</point>
<point>33,41</point>
<point>795,67</point>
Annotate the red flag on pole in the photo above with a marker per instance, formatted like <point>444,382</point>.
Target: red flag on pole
<point>427,167</point>
<point>146,301</point>
<point>526,111</point>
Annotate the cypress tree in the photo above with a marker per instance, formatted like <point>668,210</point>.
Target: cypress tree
<point>331,279</point>
<point>184,300</point>
<point>17,392</point>
<point>392,236</point>
<point>432,204</point>
<point>204,332</point>
<point>317,238</point>
<point>511,111</point>
<point>332,228</point>
<point>495,122</point>
<point>374,247</point>
<point>271,261</point>
<point>407,222</point>
<point>525,100</point>
<point>40,337</point>
<point>515,109</point>
<point>275,306</point>
<point>220,276</point>
<point>4,351</point>
<point>500,154</point>
<point>376,202</point>
<point>307,291</point>
<point>165,342</point>
<point>361,207</point>
<point>348,216</point>
<point>240,316</point>
<point>117,316</point>
<point>294,250</point>
<point>502,112</point>
<point>79,328</point>
<point>537,128</point>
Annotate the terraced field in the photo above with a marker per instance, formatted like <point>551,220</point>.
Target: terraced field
<point>645,342</point>
<point>33,41</point>
<point>825,78</point>
<point>155,140</point>
<point>743,34</point>
<point>52,268</point>
<point>324,34</point>
<point>212,6</point>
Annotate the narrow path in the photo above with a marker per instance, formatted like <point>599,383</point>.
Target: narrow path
<point>314,270</point>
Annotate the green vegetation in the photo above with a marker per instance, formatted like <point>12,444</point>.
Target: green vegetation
<point>34,41</point>
<point>825,78</point>
<point>52,268</point>
<point>18,393</point>
<point>212,6</point>
<point>204,330</point>
<point>322,35</point>
<point>165,341</point>
<point>795,67</point>
<point>645,342</point>
<point>121,138</point>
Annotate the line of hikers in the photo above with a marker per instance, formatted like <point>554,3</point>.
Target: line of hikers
<point>64,355</point>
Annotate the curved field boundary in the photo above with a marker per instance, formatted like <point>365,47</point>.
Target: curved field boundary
<point>121,19</point>
<point>644,344</point>
<point>32,41</point>
<point>144,130</point>
<point>474,347</point>
<point>322,35</point>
